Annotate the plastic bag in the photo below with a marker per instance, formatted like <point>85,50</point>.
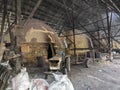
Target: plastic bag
<point>38,84</point>
<point>61,83</point>
<point>6,64</point>
<point>21,81</point>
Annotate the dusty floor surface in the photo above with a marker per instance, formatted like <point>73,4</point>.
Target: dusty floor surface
<point>103,75</point>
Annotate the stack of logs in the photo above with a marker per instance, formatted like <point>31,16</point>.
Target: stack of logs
<point>4,77</point>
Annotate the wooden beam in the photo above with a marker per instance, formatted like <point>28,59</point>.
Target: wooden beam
<point>34,10</point>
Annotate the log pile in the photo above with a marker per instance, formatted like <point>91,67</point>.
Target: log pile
<point>4,77</point>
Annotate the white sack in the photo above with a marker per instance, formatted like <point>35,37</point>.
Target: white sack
<point>21,81</point>
<point>61,83</point>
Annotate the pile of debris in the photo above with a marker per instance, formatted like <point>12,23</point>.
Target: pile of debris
<point>10,80</point>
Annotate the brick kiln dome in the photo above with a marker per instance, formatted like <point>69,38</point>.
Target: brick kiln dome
<point>36,31</point>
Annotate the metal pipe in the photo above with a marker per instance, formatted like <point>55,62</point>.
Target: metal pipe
<point>90,34</point>
<point>115,6</point>
<point>33,11</point>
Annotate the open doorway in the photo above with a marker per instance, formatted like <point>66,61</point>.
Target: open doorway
<point>51,50</point>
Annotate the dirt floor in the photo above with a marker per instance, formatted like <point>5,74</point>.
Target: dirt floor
<point>104,75</point>
<point>101,76</point>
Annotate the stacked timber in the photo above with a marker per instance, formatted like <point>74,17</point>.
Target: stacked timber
<point>4,77</point>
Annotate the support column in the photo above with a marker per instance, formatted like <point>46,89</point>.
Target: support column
<point>74,42</point>
<point>73,28</point>
<point>109,33</point>
<point>15,40</point>
<point>99,40</point>
<point>18,12</point>
<point>3,19</point>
